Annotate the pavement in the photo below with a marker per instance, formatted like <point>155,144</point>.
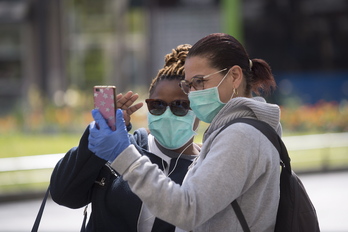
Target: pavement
<point>328,191</point>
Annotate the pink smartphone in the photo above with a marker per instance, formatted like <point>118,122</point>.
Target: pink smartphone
<point>105,101</point>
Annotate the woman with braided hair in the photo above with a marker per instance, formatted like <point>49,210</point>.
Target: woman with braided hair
<point>84,176</point>
<point>238,164</point>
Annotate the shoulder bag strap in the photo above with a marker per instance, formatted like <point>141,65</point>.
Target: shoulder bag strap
<point>42,207</point>
<point>39,215</point>
<point>83,227</point>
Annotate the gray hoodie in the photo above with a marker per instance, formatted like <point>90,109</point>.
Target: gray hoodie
<point>239,163</point>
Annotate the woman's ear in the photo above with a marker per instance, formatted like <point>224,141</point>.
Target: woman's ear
<point>237,76</point>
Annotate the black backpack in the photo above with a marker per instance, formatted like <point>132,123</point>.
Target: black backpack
<point>296,212</point>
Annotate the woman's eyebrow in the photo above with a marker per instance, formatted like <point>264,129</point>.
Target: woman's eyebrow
<point>196,76</point>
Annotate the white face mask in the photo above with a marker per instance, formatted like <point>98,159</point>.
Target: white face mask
<point>172,131</point>
<point>206,103</point>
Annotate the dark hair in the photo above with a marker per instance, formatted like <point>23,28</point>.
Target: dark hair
<point>224,51</point>
<point>173,68</point>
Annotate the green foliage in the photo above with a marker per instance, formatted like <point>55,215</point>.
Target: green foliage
<point>94,67</point>
<point>20,144</point>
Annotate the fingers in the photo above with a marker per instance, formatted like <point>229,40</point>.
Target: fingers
<point>125,101</point>
<point>93,125</point>
<point>98,118</point>
<point>134,108</point>
<point>118,97</point>
<point>120,123</point>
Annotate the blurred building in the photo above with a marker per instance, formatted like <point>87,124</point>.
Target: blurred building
<point>305,41</point>
<point>31,50</point>
<point>50,45</point>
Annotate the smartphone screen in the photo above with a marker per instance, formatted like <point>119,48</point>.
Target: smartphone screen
<point>105,101</point>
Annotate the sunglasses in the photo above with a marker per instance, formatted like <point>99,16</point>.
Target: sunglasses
<point>158,107</point>
<point>196,82</point>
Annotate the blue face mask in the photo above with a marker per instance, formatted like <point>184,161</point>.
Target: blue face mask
<point>171,131</point>
<point>206,103</point>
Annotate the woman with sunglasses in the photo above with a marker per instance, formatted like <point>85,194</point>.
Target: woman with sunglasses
<point>82,177</point>
<point>239,163</point>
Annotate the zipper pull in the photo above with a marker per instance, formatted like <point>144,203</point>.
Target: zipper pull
<point>101,182</point>
<point>108,164</point>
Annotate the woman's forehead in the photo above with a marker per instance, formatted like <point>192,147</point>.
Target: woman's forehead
<point>197,66</point>
<point>168,90</point>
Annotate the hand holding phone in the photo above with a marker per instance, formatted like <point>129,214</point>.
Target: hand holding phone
<point>105,102</point>
<point>104,144</point>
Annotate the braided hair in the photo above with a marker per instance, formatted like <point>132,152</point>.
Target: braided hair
<point>173,68</point>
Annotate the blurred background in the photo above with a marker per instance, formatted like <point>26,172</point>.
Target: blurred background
<point>52,53</point>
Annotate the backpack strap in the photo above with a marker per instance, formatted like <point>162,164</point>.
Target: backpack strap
<point>272,136</point>
<point>240,216</point>
<point>275,139</point>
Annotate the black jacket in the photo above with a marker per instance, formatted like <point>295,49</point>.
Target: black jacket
<point>81,177</point>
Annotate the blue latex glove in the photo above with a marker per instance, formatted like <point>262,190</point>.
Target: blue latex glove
<point>104,142</point>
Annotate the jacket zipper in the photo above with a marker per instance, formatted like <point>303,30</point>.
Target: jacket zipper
<point>101,182</point>
<point>111,169</point>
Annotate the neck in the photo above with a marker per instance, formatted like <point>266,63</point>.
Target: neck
<point>187,149</point>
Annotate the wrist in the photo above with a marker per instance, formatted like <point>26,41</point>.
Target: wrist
<point>125,159</point>
<point>129,126</point>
